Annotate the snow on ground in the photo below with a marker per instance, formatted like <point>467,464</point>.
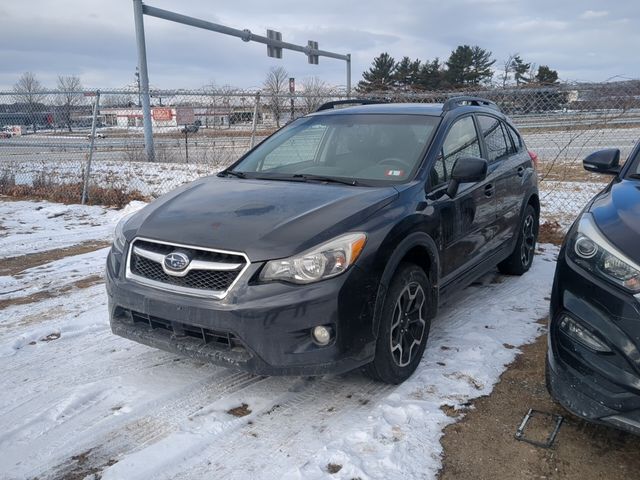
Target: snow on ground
<point>30,227</point>
<point>563,201</point>
<point>77,400</point>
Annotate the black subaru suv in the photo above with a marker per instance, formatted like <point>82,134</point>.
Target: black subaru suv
<point>593,360</point>
<point>330,245</point>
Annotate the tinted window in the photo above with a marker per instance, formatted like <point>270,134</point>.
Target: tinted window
<point>494,139</point>
<point>515,136</point>
<point>461,141</point>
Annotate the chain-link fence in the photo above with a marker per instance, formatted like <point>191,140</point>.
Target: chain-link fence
<point>46,136</point>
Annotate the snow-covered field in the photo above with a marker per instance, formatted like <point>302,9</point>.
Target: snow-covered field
<point>77,401</point>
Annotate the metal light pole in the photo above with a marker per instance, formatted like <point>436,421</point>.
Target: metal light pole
<point>144,79</point>
<point>348,74</point>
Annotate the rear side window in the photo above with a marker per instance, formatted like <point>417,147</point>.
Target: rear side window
<point>461,141</point>
<point>515,136</point>
<point>493,132</point>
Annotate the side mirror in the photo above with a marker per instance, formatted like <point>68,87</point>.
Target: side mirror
<point>603,161</point>
<point>466,170</point>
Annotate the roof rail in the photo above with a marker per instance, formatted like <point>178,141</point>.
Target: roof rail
<point>455,102</point>
<point>351,101</point>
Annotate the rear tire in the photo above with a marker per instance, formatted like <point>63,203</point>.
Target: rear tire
<point>404,326</point>
<point>521,258</point>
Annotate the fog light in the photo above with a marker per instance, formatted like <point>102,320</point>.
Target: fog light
<point>321,335</point>
<point>576,331</point>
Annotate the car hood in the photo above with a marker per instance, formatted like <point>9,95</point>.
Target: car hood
<point>265,219</point>
<point>617,213</point>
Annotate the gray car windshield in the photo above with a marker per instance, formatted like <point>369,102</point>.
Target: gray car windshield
<point>366,149</point>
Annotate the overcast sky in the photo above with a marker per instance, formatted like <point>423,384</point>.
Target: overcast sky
<point>585,40</point>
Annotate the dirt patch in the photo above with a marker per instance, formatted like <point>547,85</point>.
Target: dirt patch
<point>82,466</point>
<point>551,232</point>
<point>46,294</point>
<point>482,445</point>
<point>51,337</point>
<point>333,468</point>
<point>15,265</point>
<point>241,411</point>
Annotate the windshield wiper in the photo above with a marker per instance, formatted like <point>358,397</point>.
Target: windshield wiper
<point>634,175</point>
<point>233,173</point>
<point>322,178</point>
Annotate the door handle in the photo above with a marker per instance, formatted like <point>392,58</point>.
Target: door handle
<point>521,170</point>
<point>488,190</point>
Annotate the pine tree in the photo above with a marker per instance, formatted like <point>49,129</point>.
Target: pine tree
<point>380,76</point>
<point>407,73</point>
<point>469,66</point>
<point>546,76</point>
<point>520,69</point>
<point>481,65</point>
<point>431,75</point>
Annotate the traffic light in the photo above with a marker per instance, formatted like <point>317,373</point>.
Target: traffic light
<point>313,46</point>
<point>275,52</point>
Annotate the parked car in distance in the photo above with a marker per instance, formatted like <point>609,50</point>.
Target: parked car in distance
<point>190,129</point>
<point>98,135</point>
<point>331,244</point>
<point>593,359</point>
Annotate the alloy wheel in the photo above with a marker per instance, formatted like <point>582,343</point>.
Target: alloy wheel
<point>408,324</point>
<point>528,240</point>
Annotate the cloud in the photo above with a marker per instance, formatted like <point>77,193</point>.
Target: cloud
<point>591,14</point>
<point>97,42</point>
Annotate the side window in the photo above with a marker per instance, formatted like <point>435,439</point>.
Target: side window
<point>299,148</point>
<point>494,138</point>
<point>515,136</point>
<point>461,141</point>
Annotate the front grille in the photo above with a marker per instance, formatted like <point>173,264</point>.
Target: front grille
<point>197,280</point>
<point>207,335</point>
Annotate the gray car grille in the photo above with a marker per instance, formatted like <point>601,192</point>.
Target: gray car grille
<point>209,272</point>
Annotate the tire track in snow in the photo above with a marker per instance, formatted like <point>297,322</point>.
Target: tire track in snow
<point>305,421</point>
<point>169,413</point>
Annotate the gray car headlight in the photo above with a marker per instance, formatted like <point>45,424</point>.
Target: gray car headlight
<point>593,252</point>
<point>324,261</point>
<point>119,240</point>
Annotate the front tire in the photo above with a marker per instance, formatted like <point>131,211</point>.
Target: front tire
<point>521,258</point>
<point>404,326</point>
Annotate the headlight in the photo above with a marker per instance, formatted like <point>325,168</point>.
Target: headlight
<point>593,252</point>
<point>324,261</point>
<point>119,239</point>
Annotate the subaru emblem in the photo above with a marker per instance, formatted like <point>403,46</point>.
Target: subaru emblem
<point>176,261</point>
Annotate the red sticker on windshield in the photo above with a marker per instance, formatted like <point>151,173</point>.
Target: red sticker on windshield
<point>394,173</point>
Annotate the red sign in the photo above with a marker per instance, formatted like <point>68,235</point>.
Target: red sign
<point>161,114</point>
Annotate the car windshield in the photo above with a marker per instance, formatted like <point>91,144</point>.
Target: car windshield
<point>355,148</point>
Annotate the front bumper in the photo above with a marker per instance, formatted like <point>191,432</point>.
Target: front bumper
<point>260,328</point>
<point>602,387</point>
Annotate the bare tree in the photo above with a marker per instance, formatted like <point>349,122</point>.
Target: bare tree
<point>70,97</point>
<point>316,92</point>
<point>276,85</point>
<point>28,91</point>
<point>117,100</point>
<point>507,68</point>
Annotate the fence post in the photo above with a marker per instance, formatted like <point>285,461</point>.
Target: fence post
<point>255,121</point>
<point>87,170</point>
